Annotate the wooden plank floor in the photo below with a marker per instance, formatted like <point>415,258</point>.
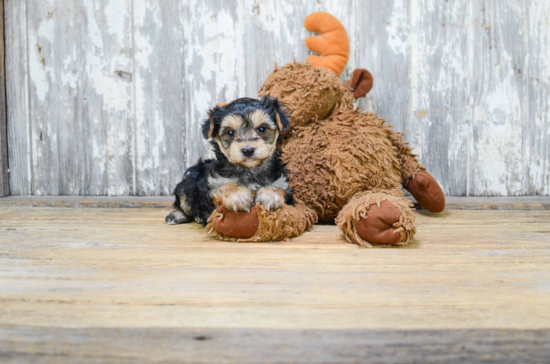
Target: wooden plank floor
<point>118,285</point>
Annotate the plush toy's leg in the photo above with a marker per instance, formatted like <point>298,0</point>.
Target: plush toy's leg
<point>416,179</point>
<point>427,192</point>
<point>377,218</point>
<point>260,224</point>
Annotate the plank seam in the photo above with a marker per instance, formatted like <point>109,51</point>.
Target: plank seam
<point>28,102</point>
<point>134,119</point>
<point>526,185</point>
<point>4,166</point>
<point>527,203</point>
<point>470,104</point>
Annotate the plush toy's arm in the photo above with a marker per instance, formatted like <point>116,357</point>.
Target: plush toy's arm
<point>260,224</point>
<point>415,178</point>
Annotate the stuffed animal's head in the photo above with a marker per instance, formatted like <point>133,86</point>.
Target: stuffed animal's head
<point>310,91</point>
<point>307,93</point>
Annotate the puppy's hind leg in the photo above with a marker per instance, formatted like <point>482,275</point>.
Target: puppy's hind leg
<point>181,213</point>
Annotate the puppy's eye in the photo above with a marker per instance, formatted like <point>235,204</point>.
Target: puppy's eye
<point>261,130</point>
<point>231,133</point>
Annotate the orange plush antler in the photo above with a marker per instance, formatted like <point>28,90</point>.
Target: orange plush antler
<point>332,43</point>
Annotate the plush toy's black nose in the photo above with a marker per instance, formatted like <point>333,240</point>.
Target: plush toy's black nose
<point>247,151</point>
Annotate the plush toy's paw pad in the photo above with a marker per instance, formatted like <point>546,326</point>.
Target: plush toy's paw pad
<point>427,192</point>
<point>377,227</point>
<point>240,225</point>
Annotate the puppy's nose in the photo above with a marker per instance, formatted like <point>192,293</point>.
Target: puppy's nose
<point>247,151</point>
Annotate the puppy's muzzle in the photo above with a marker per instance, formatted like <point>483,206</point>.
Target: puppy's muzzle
<point>248,151</point>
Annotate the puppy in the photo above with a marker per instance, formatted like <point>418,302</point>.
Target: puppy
<point>247,169</point>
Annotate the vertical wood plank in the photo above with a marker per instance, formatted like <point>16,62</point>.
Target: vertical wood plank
<point>498,93</point>
<point>214,65</point>
<point>4,179</point>
<point>19,142</point>
<point>159,96</point>
<point>438,126</point>
<point>274,34</point>
<point>537,118</point>
<point>383,46</point>
<point>80,97</point>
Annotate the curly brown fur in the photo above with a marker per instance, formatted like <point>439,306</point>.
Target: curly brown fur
<point>329,161</point>
<point>308,93</point>
<point>330,157</point>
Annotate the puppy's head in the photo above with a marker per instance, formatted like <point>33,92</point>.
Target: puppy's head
<point>247,131</point>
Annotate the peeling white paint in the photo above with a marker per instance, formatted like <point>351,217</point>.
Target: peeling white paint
<point>114,12</point>
<point>94,32</point>
<point>40,41</point>
<point>471,94</point>
<point>397,25</point>
<point>113,91</point>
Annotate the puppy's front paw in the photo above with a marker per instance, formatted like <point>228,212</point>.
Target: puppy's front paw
<point>240,200</point>
<point>271,198</point>
<point>177,217</point>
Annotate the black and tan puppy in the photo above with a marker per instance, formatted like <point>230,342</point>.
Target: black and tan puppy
<point>247,169</point>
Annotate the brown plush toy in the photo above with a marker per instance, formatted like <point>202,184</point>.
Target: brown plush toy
<point>344,165</point>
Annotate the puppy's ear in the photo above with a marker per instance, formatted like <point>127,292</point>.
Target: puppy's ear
<point>209,125</point>
<point>208,128</point>
<point>272,105</point>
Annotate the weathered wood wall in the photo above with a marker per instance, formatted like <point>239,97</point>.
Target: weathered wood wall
<point>105,96</point>
<point>4,175</point>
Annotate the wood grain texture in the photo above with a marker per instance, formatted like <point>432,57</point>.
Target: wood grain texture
<point>17,98</point>
<point>497,93</point>
<point>4,173</point>
<point>438,127</point>
<point>119,284</point>
<point>181,345</point>
<point>537,118</point>
<point>383,31</point>
<point>106,97</point>
<point>165,202</point>
<point>161,112</point>
<point>80,98</point>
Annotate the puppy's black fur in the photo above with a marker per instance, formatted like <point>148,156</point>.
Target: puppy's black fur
<point>193,195</point>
